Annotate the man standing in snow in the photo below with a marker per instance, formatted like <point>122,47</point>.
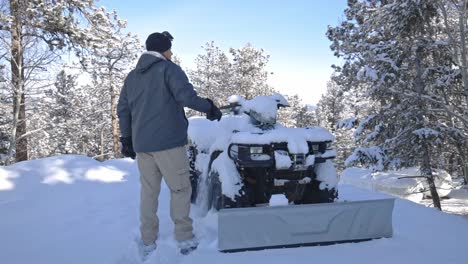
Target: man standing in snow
<point>153,127</point>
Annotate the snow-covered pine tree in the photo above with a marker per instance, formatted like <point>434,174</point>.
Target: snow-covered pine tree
<point>54,119</point>
<point>212,76</point>
<point>108,65</point>
<point>455,23</point>
<point>93,120</point>
<point>297,114</point>
<point>330,107</point>
<point>61,114</point>
<point>395,51</point>
<point>287,116</point>
<point>305,116</point>
<point>59,25</point>
<point>335,111</point>
<point>250,76</point>
<point>216,77</point>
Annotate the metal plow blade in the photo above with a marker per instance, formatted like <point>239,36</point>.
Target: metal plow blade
<point>299,225</point>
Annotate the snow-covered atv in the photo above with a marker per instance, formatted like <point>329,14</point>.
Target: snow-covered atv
<point>239,162</point>
<point>246,157</point>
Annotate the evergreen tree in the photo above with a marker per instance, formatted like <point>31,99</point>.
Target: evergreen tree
<point>54,26</point>
<point>297,114</point>
<point>61,113</point>
<point>216,77</point>
<point>108,66</point>
<point>331,106</point>
<point>393,51</point>
<point>249,74</point>
<point>56,118</point>
<point>455,23</point>
<point>305,116</point>
<point>336,112</point>
<point>212,76</point>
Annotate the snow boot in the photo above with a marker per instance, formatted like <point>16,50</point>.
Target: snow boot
<point>187,246</point>
<point>146,250</point>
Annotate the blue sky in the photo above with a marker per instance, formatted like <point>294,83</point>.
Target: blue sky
<point>291,32</point>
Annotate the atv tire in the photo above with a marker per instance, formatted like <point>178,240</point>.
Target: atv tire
<point>194,174</point>
<point>312,194</point>
<point>217,200</point>
<point>194,182</point>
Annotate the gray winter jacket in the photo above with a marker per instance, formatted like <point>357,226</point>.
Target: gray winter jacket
<point>151,105</point>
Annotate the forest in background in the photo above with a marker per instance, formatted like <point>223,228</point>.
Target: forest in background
<point>398,99</point>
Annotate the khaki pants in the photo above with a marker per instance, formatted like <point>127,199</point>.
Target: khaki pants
<point>173,166</point>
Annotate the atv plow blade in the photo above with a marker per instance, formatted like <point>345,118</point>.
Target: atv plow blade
<point>257,228</point>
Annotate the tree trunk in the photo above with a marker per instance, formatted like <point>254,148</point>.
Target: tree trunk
<point>426,171</point>
<point>464,62</point>
<point>19,129</point>
<point>451,164</point>
<point>463,157</point>
<point>101,156</point>
<point>465,173</point>
<point>115,124</point>
<point>426,168</point>
<point>21,141</point>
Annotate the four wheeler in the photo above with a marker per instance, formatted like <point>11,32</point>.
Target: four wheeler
<point>246,157</point>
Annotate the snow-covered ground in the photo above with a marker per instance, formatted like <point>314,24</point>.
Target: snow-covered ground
<point>454,199</point>
<point>72,209</point>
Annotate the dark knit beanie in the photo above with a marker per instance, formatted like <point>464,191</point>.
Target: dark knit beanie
<point>159,42</point>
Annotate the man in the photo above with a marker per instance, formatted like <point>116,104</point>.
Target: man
<point>153,124</point>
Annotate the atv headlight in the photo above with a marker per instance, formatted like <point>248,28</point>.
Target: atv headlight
<point>233,151</point>
<point>256,150</point>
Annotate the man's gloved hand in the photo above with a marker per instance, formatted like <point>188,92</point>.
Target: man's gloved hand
<point>214,113</point>
<point>127,147</point>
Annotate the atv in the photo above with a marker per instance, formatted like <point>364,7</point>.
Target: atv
<point>246,157</point>
<point>241,161</point>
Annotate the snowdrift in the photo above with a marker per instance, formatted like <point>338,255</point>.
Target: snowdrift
<point>391,182</point>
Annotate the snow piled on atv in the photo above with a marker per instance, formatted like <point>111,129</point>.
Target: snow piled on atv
<point>210,136</point>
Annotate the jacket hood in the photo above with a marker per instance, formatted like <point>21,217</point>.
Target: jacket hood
<point>146,61</point>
